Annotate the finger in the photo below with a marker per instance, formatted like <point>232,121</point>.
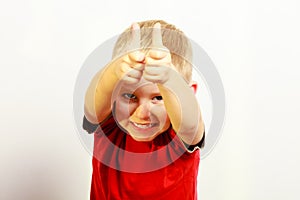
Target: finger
<point>156,36</point>
<point>139,66</point>
<point>135,36</point>
<point>154,70</point>
<point>134,74</point>
<point>157,54</point>
<point>136,56</point>
<point>126,70</point>
<point>156,58</point>
<point>131,63</point>
<point>130,80</point>
<point>155,74</point>
<point>154,79</point>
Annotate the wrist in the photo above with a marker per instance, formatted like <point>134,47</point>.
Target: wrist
<point>174,79</point>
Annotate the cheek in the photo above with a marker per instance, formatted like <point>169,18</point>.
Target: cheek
<point>123,110</point>
<point>161,113</point>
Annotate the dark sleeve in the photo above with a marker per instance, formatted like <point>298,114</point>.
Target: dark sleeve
<point>88,126</point>
<point>199,144</point>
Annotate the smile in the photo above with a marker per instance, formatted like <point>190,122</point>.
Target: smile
<point>144,126</point>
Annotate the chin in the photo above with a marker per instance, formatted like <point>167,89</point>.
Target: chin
<point>143,138</point>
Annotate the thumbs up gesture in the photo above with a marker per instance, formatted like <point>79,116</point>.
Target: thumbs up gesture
<point>153,66</point>
<point>129,68</point>
<point>158,62</point>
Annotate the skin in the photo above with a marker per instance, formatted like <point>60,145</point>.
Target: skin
<point>140,110</point>
<point>149,93</point>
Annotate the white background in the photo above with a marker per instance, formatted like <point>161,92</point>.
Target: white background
<point>254,45</point>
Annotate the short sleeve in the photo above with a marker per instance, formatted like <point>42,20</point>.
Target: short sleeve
<point>199,145</point>
<point>88,126</point>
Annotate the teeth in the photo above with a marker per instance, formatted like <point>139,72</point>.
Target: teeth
<point>144,126</point>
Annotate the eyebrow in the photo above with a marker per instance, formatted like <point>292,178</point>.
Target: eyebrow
<point>156,94</point>
<point>127,89</point>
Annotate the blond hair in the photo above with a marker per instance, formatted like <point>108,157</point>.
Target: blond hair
<point>173,38</point>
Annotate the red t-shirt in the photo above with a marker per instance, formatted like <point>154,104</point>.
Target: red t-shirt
<point>125,169</point>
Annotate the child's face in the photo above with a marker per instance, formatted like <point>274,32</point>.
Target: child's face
<point>140,111</point>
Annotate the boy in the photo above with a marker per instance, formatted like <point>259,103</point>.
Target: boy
<point>150,124</point>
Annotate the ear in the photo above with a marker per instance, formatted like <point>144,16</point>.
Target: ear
<point>194,86</point>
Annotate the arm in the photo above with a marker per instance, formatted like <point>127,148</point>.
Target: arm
<point>127,68</point>
<point>179,99</point>
<point>97,99</point>
<point>182,108</point>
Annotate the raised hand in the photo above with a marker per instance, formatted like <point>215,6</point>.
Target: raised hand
<point>130,67</point>
<point>158,60</point>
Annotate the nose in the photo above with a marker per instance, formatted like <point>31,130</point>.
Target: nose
<point>143,111</point>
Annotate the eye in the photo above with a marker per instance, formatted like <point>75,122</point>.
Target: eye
<point>129,96</point>
<point>157,98</point>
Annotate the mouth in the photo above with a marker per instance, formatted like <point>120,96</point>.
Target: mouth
<point>144,125</point>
